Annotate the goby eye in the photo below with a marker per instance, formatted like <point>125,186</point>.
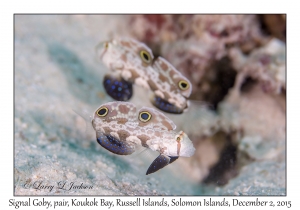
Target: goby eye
<point>183,85</point>
<point>102,112</point>
<point>144,116</point>
<point>146,57</point>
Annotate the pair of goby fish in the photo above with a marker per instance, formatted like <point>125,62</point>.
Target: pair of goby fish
<point>119,127</point>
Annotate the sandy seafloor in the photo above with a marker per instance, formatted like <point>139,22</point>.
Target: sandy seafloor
<point>57,76</point>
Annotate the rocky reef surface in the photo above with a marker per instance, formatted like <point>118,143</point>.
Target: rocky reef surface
<point>237,118</point>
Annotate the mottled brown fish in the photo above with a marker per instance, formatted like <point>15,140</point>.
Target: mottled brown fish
<point>120,128</point>
<point>132,62</point>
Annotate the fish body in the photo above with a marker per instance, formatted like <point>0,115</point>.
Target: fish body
<point>120,128</point>
<point>134,62</point>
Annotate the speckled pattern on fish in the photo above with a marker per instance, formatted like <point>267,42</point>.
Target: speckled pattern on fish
<point>120,128</point>
<point>134,62</point>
